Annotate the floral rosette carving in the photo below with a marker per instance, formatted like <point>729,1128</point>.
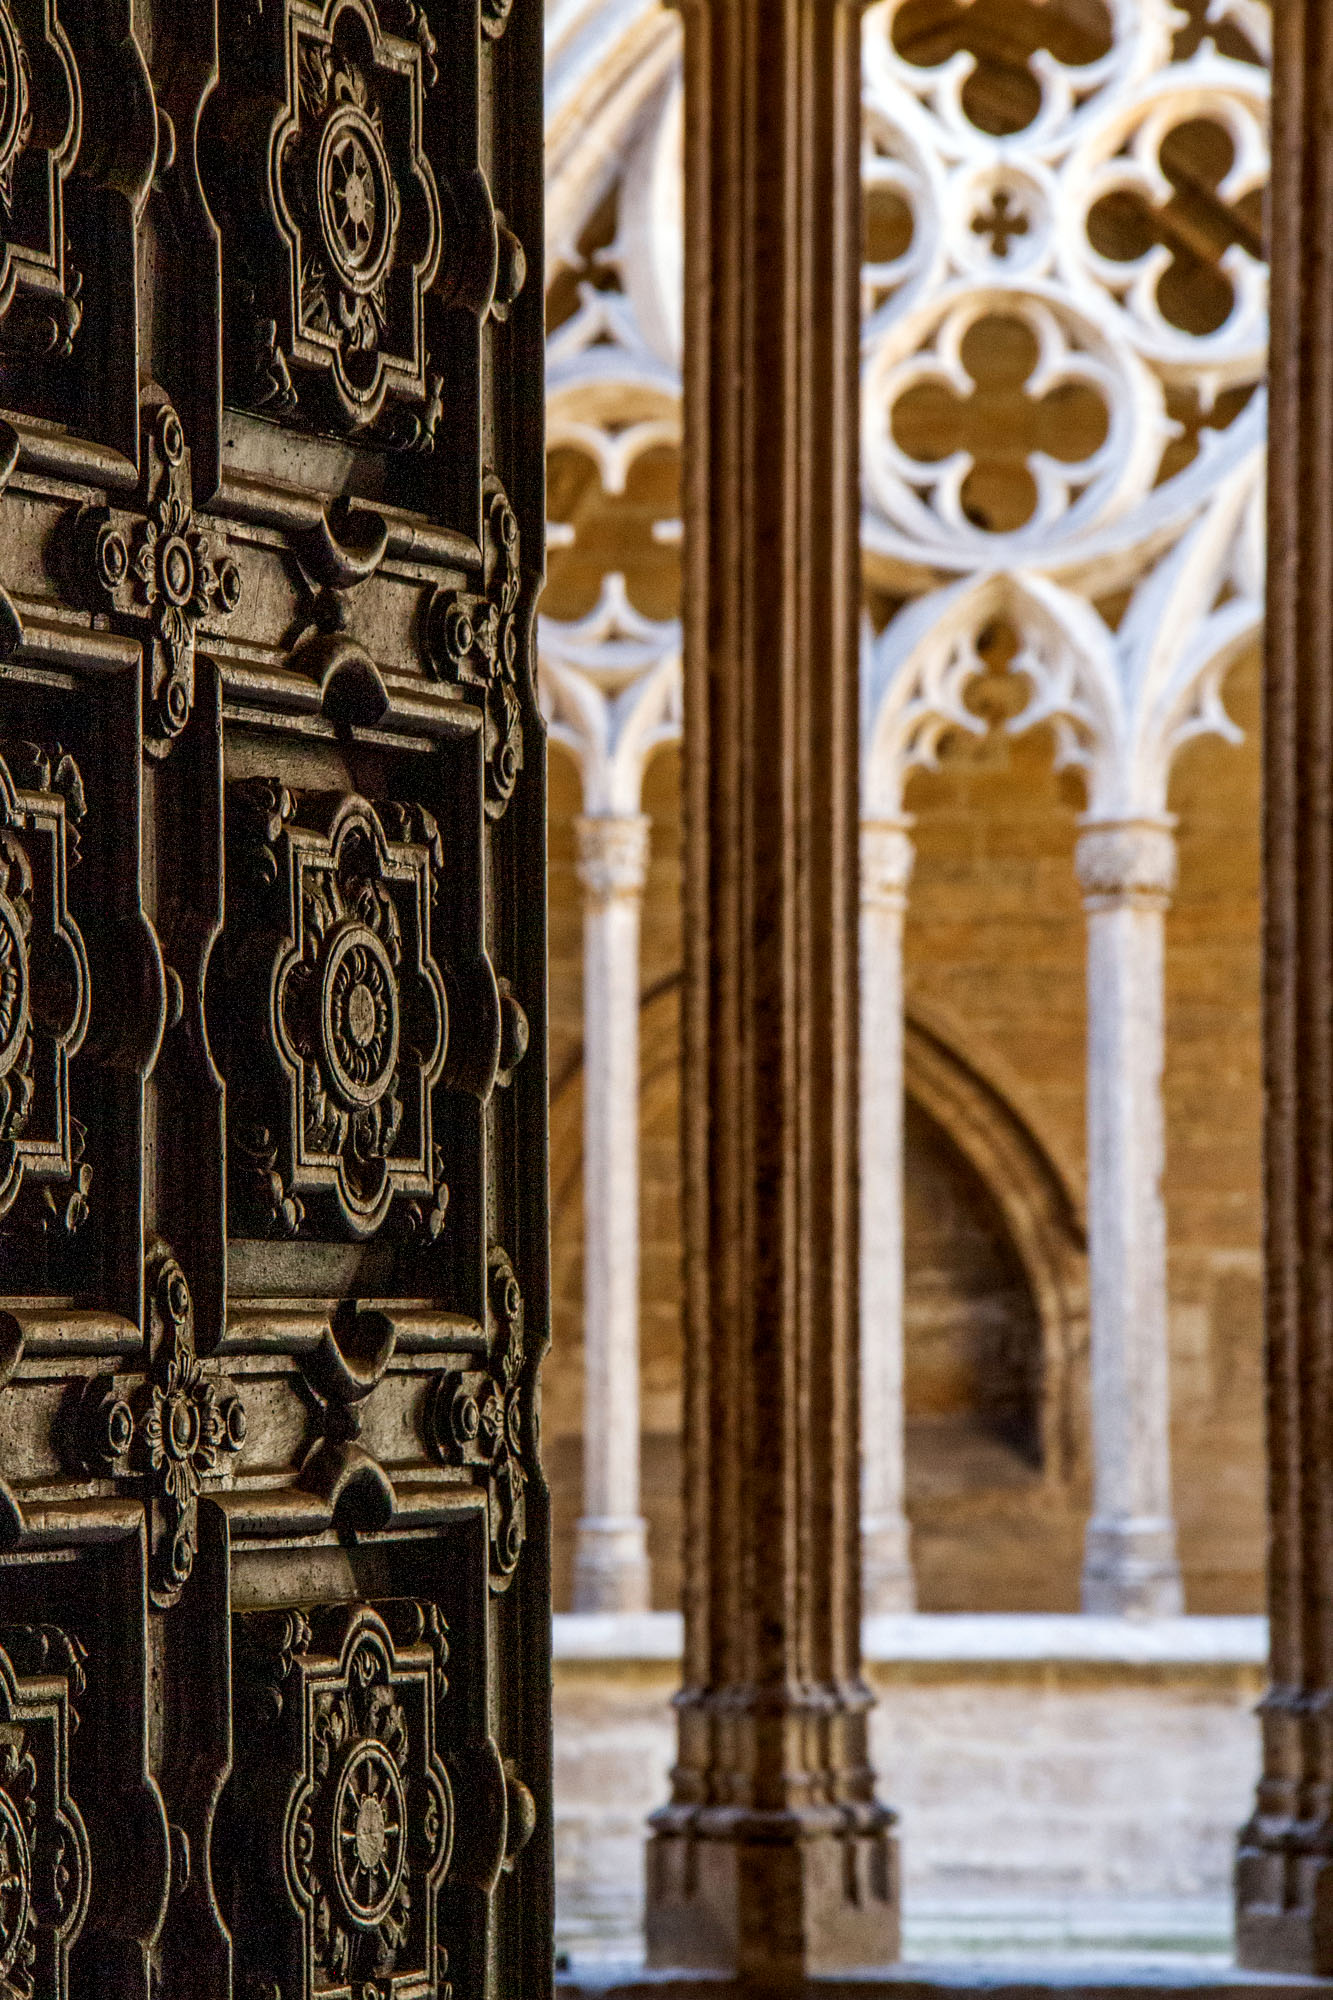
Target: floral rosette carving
<point>164,568</point>
<point>473,639</point>
<point>477,1420</point>
<point>354,1008</point>
<point>180,1428</point>
<point>44,985</point>
<point>44,1856</point>
<point>350,1815</point>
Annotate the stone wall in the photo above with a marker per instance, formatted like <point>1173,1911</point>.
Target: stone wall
<point>994,966</point>
<point>1086,1769</point>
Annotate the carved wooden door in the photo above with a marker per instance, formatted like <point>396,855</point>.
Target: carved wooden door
<point>274,1670</point>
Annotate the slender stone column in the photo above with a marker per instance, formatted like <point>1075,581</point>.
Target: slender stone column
<point>773,1859</point>
<point>1127,870</point>
<point>1284,1876</point>
<point>886,1564</point>
<point>610,1552</point>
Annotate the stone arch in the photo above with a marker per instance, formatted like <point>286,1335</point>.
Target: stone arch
<point>1041,1213</point>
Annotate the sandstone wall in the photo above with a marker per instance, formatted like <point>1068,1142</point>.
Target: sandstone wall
<point>994,954</point>
<point>1066,1783</point>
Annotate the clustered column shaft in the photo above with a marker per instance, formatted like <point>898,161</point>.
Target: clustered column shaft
<point>1127,872</point>
<point>1284,1876</point>
<point>886,870</point>
<point>773,1859</point>
<point>610,1553</point>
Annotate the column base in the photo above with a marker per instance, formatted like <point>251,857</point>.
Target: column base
<point>800,1902</point>
<point>1130,1569</point>
<point>1284,1909</point>
<point>887,1582</point>
<point>611,1571</point>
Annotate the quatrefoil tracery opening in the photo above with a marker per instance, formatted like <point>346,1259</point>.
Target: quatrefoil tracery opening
<point>1003,94</point>
<point>628,531</point>
<point>1196,225</point>
<point>1201,21</point>
<point>591,266</point>
<point>1000,423</point>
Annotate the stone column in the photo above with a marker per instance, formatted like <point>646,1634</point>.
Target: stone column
<point>610,1551</point>
<point>772,1859</point>
<point>1127,870</point>
<point>886,1564</point>
<point>1284,1876</point>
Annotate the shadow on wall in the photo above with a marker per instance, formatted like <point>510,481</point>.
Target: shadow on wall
<point>996,1320</point>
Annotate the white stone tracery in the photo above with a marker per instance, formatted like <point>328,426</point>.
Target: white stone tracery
<point>1098,491</point>
<point>611,694</point>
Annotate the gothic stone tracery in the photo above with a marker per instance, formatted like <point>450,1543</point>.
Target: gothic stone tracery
<point>1062,433</point>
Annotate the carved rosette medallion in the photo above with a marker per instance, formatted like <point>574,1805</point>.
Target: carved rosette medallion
<point>477,1420</point>
<point>350,1812</point>
<point>44,985</point>
<point>473,639</point>
<point>44,1859</point>
<point>165,569</point>
<point>337,963</point>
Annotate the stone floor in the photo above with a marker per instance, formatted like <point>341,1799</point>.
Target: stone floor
<point>1113,1937</point>
<point>1199,1979</point>
<point>1069,1788</point>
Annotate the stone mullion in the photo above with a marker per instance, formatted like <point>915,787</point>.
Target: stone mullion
<point>1284,1917</point>
<point>1127,871</point>
<point>773,1857</point>
<point>886,868</point>
<point>610,1556</point>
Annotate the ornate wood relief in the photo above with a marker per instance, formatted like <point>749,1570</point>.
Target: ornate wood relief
<point>273,1532</point>
<point>350,1016</point>
<point>44,1865</point>
<point>43,981</point>
<point>351,1813</point>
<point>337,306</point>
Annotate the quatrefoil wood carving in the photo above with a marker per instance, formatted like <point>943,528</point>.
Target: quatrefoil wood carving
<point>45,1866</point>
<point>341,220</point>
<point>39,129</point>
<point>44,984</point>
<point>348,1807</point>
<point>341,1007</point>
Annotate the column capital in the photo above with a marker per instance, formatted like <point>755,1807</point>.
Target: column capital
<point>1126,861</point>
<point>613,853</point>
<point>887,856</point>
